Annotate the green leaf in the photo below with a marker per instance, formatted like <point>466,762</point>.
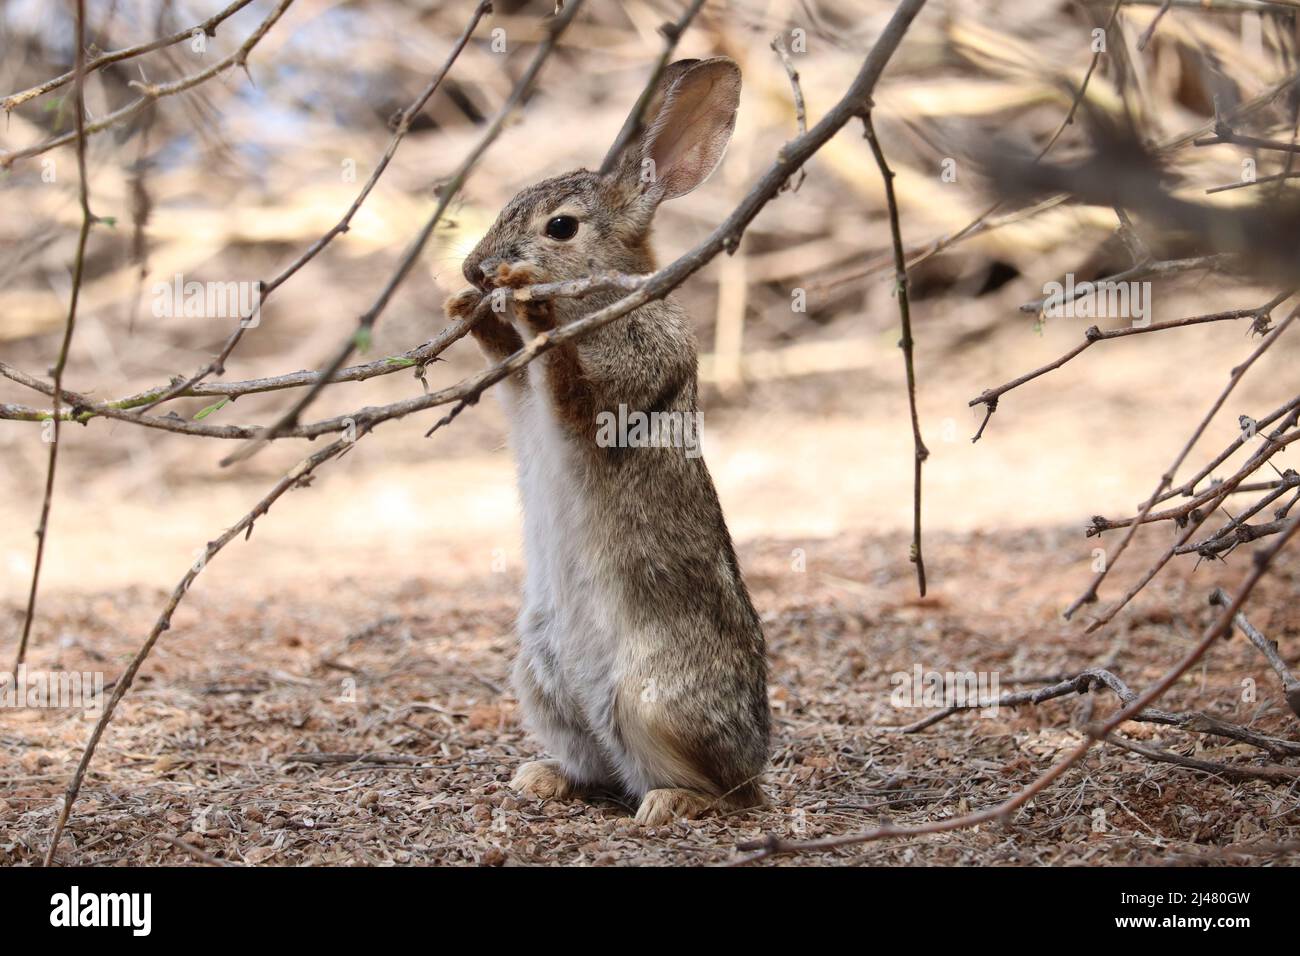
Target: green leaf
<point>211,408</point>
<point>362,340</point>
<point>399,362</point>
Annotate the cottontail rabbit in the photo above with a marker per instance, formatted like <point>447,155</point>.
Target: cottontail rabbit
<point>641,663</point>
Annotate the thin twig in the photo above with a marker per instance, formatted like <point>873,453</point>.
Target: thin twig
<point>151,94</point>
<point>1167,479</point>
<point>1149,32</point>
<point>800,109</point>
<point>402,126</point>
<point>208,26</point>
<point>671,32</point>
<point>1274,772</point>
<point>78,271</point>
<point>366,322</point>
<point>298,476</point>
<point>920,452</point>
<point>1095,677</point>
<point>1093,335</point>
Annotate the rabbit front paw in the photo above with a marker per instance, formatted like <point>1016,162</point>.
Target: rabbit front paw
<point>463,303</point>
<point>537,315</point>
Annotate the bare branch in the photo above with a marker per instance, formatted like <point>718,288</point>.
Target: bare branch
<point>366,323</point>
<point>78,271</point>
<point>1290,685</point>
<point>208,27</point>
<point>920,452</point>
<point>402,125</point>
<point>671,32</point>
<point>151,94</point>
<point>1167,479</point>
<point>298,476</point>
<point>800,110</point>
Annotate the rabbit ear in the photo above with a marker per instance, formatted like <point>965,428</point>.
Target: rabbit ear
<point>689,120</point>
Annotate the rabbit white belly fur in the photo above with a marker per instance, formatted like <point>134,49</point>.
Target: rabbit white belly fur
<point>572,615</point>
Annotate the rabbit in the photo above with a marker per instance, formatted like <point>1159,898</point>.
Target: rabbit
<point>641,663</point>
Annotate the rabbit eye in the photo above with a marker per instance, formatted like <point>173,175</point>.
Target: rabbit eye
<point>562,227</point>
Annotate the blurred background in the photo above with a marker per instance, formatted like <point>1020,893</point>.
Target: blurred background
<point>805,414</point>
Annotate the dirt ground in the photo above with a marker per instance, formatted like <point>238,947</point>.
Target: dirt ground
<point>376,727</point>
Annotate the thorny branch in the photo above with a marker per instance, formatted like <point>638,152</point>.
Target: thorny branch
<point>1094,678</point>
<point>151,93</point>
<point>208,27</point>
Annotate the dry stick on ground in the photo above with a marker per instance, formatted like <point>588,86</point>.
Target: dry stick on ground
<point>793,154</point>
<point>300,475</point>
<point>78,270</point>
<point>1094,677</point>
<point>366,323</point>
<point>727,236</point>
<point>671,32</point>
<point>401,127</point>
<point>208,26</point>
<point>989,397</point>
<point>920,452</point>
<point>1275,772</point>
<point>774,845</point>
<point>1290,685</point>
<point>1167,479</point>
<point>152,93</point>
